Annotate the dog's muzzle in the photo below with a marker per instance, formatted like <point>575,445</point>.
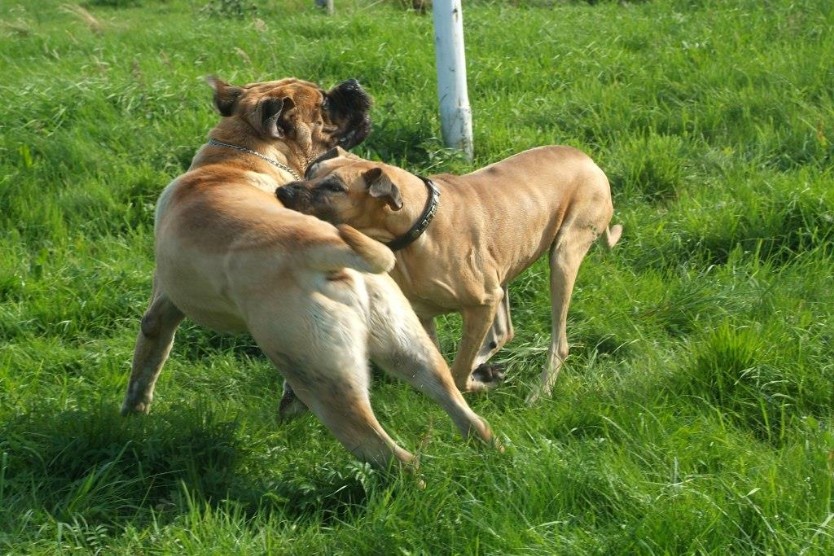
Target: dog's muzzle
<point>288,194</point>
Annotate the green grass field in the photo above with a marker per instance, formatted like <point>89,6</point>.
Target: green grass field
<point>695,414</point>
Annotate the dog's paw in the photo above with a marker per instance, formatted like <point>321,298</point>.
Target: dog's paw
<point>133,406</point>
<point>490,375</point>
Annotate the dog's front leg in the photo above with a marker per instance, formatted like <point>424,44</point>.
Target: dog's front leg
<point>498,334</point>
<point>153,344</point>
<point>290,405</point>
<point>477,321</point>
<point>431,329</point>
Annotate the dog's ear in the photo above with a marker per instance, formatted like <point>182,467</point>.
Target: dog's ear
<point>348,154</point>
<point>225,95</point>
<point>267,116</point>
<point>381,187</point>
<point>335,152</point>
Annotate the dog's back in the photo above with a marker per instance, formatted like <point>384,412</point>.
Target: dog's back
<point>219,241</point>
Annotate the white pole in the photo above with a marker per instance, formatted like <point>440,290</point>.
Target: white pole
<point>455,114</point>
<point>327,5</point>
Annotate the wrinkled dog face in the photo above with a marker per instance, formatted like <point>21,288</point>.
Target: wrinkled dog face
<point>343,188</point>
<point>313,119</point>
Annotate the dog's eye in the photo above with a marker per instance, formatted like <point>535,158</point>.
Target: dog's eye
<point>333,187</point>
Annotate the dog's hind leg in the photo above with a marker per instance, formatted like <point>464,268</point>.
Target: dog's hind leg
<point>342,403</point>
<point>401,347</point>
<point>153,344</point>
<point>566,256</point>
<point>324,359</point>
<point>339,398</point>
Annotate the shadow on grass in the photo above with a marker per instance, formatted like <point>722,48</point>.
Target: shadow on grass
<point>758,386</point>
<point>95,467</point>
<point>197,343</point>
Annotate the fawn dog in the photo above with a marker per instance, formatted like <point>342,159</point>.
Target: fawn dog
<point>460,240</point>
<point>315,297</point>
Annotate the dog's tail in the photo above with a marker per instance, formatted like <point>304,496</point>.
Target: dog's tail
<point>358,252</point>
<point>612,235</point>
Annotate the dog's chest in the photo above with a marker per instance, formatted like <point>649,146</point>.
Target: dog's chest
<point>430,292</point>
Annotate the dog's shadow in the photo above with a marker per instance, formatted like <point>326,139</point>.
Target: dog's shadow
<point>95,467</point>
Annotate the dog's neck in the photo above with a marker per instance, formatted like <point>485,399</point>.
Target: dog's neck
<point>276,163</point>
<point>422,221</point>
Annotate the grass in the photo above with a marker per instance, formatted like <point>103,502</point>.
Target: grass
<point>694,414</point>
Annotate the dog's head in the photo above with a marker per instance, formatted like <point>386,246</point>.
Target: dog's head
<point>292,110</point>
<point>345,189</point>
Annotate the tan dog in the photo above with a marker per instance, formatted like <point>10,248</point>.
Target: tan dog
<point>230,257</point>
<point>460,240</point>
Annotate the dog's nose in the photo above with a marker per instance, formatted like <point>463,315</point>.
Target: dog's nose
<point>285,193</point>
